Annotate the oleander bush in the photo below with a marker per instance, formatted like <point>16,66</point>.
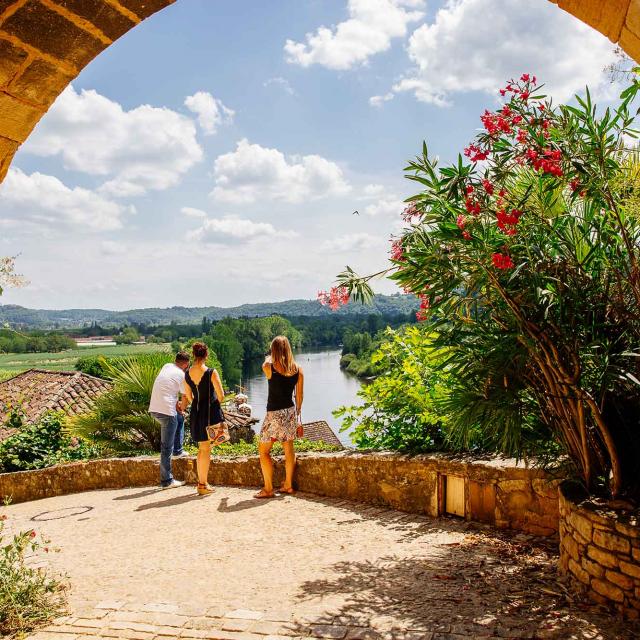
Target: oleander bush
<point>525,255</point>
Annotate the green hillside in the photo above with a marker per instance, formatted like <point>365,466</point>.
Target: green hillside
<point>21,317</point>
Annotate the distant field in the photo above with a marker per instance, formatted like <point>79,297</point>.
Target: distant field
<point>65,360</point>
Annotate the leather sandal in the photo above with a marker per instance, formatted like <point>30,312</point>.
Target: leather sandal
<point>264,495</point>
<point>204,489</point>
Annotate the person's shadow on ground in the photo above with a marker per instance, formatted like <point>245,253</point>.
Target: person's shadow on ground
<point>243,505</point>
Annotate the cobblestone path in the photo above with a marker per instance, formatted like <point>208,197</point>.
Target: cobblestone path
<point>144,563</point>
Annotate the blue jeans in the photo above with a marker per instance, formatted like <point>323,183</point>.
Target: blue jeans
<point>178,441</point>
<point>168,428</point>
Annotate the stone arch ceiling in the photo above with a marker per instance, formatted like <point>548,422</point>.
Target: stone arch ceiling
<point>44,44</point>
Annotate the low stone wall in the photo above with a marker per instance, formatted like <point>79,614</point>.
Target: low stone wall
<point>600,550</point>
<point>499,492</point>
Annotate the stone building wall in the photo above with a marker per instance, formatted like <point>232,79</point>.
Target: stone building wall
<point>600,551</point>
<point>499,492</point>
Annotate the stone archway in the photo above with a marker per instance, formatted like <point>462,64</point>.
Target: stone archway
<point>44,44</point>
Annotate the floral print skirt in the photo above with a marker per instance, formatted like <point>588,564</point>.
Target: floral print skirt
<point>279,425</point>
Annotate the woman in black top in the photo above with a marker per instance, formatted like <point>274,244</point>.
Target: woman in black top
<point>282,422</point>
<point>203,390</point>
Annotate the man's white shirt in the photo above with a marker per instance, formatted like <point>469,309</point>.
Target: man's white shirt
<point>166,388</point>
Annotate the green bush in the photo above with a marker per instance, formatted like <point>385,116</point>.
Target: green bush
<point>93,365</point>
<point>32,445</point>
<point>251,448</point>
<point>526,259</point>
<point>29,597</point>
<point>42,444</point>
<point>399,407</point>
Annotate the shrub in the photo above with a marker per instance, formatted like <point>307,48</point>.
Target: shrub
<point>29,597</point>
<point>527,263</point>
<point>120,419</point>
<point>398,410</point>
<point>42,444</point>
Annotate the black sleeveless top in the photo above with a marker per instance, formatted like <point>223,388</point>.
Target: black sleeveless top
<point>205,408</point>
<point>281,390</point>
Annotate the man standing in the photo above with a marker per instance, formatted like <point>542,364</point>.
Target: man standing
<point>162,407</point>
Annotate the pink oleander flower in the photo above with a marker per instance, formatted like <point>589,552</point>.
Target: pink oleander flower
<point>397,251</point>
<point>334,298</point>
<point>410,213</point>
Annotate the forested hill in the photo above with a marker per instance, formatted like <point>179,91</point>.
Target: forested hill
<point>21,317</point>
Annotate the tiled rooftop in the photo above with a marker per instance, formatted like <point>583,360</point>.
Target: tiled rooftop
<point>38,391</point>
<point>320,431</point>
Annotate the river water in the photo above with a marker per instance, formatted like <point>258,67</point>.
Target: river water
<point>326,387</point>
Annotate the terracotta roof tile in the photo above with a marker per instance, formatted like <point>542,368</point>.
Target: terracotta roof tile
<point>321,432</point>
<point>38,391</point>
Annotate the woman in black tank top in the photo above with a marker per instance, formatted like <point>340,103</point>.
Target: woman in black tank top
<point>203,391</point>
<point>282,422</point>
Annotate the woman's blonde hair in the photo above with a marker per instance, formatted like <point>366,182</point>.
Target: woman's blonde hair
<point>282,356</point>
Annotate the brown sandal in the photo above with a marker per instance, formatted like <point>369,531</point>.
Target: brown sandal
<point>290,491</point>
<point>204,489</point>
<point>264,495</point>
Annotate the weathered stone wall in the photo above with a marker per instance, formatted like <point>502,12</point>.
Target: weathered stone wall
<point>520,497</point>
<point>44,44</point>
<point>600,551</point>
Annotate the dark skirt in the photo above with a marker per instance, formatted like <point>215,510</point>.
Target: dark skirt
<point>200,420</point>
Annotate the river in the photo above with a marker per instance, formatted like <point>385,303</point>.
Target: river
<point>326,387</point>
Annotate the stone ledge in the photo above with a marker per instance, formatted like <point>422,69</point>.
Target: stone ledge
<point>521,498</point>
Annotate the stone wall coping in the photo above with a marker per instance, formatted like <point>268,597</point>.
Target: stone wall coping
<point>445,462</point>
<point>596,508</point>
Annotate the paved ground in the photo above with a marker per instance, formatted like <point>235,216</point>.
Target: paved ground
<point>142,563</point>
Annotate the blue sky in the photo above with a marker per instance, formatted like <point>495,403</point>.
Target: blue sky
<point>214,155</point>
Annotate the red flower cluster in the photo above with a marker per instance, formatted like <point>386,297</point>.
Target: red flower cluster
<point>335,297</point>
<point>502,261</point>
<point>397,251</point>
<point>475,153</point>
<point>472,206</point>
<point>488,187</point>
<point>496,123</point>
<point>461,221</point>
<point>524,93</point>
<point>507,222</point>
<point>548,161</point>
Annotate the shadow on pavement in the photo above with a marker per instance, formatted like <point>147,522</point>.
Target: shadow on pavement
<point>243,505</point>
<point>483,587</point>
<point>171,502</point>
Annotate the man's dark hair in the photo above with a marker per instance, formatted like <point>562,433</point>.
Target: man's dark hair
<point>182,356</point>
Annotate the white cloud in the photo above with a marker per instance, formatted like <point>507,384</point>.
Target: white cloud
<point>142,149</point>
<point>387,204</point>
<point>371,26</point>
<point>234,230</point>
<point>44,201</point>
<point>352,242</point>
<point>210,111</point>
<point>252,173</point>
<point>191,212</point>
<point>378,101</point>
<point>476,45</point>
<point>112,248</point>
<point>283,83</point>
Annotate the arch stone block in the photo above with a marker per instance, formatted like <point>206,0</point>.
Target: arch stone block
<point>44,44</point>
